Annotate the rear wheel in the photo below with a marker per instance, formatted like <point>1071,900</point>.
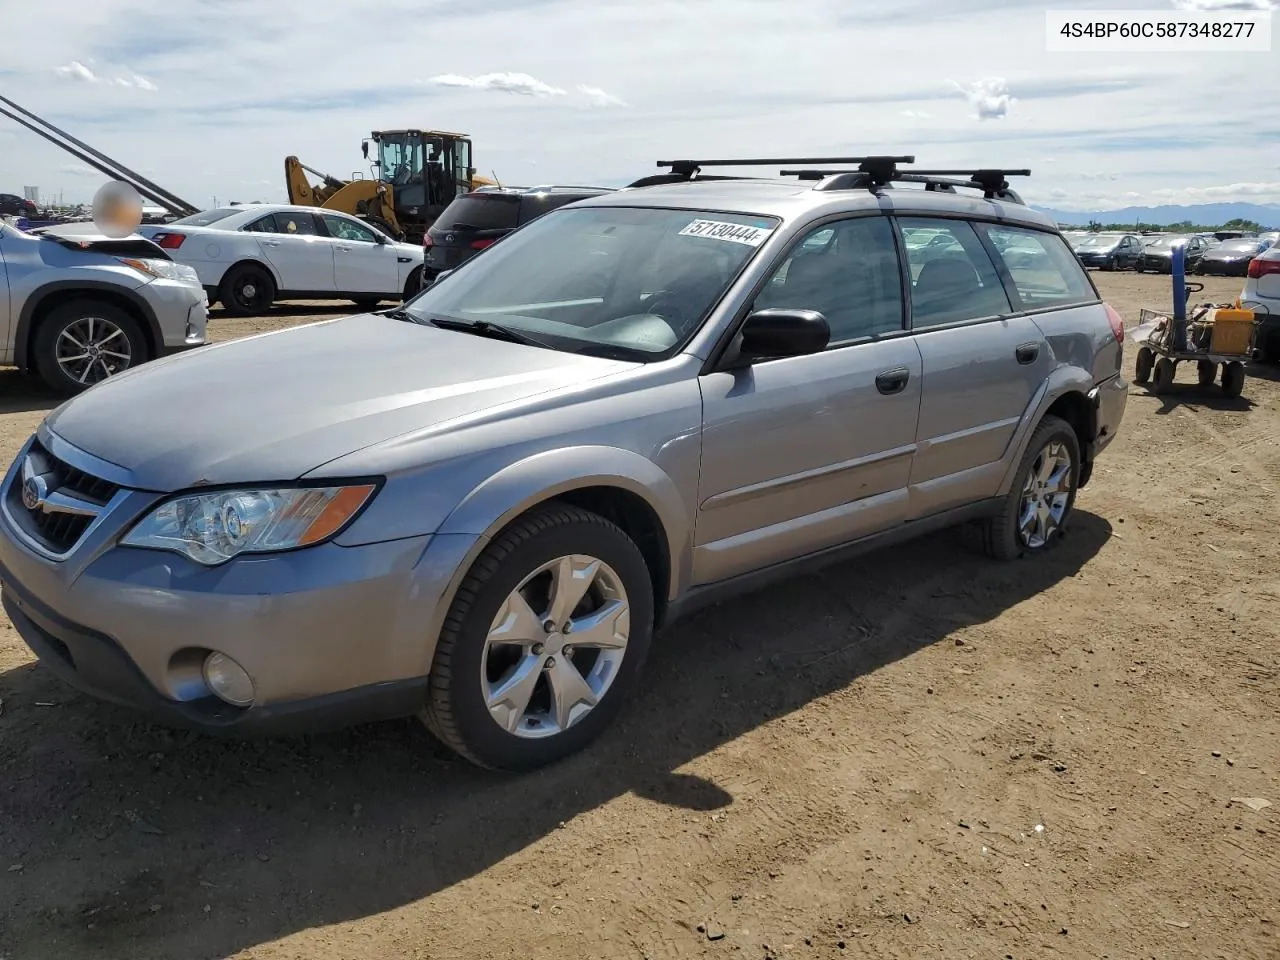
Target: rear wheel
<point>544,641</point>
<point>83,342</point>
<point>1162,378</point>
<point>1146,359</point>
<point>1233,378</point>
<point>247,290</point>
<point>1207,372</point>
<point>1035,512</point>
<point>414,283</point>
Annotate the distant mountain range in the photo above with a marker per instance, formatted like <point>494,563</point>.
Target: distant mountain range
<point>1201,214</point>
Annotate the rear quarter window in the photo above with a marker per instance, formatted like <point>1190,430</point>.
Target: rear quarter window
<point>1045,272</point>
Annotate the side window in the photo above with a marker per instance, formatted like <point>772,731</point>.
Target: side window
<point>296,224</point>
<point>847,271</point>
<point>952,277</point>
<point>344,229</point>
<point>265,224</point>
<point>1044,270</point>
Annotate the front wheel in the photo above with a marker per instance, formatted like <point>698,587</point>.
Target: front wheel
<point>1146,359</point>
<point>413,285</point>
<point>83,342</point>
<point>543,642</point>
<point>1233,378</point>
<point>1206,372</point>
<point>1038,505</point>
<point>1164,373</point>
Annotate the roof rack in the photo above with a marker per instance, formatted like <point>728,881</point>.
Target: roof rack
<point>872,173</point>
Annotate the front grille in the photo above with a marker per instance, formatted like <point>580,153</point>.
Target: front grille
<point>72,500</point>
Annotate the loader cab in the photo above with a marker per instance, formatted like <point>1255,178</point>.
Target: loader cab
<point>426,169</point>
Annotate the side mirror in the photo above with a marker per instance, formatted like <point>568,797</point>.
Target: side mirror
<point>780,332</point>
<point>379,237</point>
<point>364,148</point>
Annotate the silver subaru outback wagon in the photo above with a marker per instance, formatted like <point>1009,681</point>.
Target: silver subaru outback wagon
<point>479,506</point>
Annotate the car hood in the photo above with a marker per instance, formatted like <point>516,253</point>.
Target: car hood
<point>1228,254</point>
<point>276,406</point>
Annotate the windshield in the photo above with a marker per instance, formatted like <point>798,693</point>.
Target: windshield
<point>625,282</point>
<point>1099,240</point>
<point>207,217</point>
<point>401,158</point>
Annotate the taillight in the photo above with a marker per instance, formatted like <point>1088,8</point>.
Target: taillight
<point>1261,268</point>
<point>1117,321</point>
<point>169,241</point>
<point>481,244</point>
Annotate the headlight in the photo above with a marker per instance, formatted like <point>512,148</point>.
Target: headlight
<point>211,528</point>
<point>164,269</point>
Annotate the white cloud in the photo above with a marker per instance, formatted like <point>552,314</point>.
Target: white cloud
<point>520,83</point>
<point>599,98</point>
<point>78,170</point>
<point>917,115</point>
<point>990,97</point>
<point>1208,6</point>
<point>77,71</point>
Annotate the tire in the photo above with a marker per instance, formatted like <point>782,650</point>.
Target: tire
<point>1004,537</point>
<point>1111,265</point>
<point>91,322</point>
<point>1233,378</point>
<point>413,284</point>
<point>1146,359</point>
<point>1162,379</point>
<point>247,290</point>
<point>456,710</point>
<point>1206,372</point>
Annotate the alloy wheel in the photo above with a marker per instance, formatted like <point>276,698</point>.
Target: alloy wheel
<point>1045,495</point>
<point>555,646</point>
<point>91,349</point>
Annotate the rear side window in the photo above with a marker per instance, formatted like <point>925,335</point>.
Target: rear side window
<point>952,277</point>
<point>265,224</point>
<point>206,217</point>
<point>295,224</point>
<point>1045,272</point>
<point>480,212</point>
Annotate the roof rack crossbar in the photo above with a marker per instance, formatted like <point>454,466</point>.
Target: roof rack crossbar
<point>688,168</point>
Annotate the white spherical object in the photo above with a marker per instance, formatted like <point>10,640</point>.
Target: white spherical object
<point>117,209</point>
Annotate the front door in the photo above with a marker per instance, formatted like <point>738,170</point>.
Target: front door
<point>292,243</point>
<point>806,453</point>
<point>360,263</point>
<point>982,366</point>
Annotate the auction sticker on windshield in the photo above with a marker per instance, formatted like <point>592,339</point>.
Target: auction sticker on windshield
<point>733,232</point>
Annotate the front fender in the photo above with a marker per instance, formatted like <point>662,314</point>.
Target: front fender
<point>541,477</point>
<point>1061,381</point>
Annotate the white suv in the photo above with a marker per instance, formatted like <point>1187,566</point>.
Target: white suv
<point>1262,294</point>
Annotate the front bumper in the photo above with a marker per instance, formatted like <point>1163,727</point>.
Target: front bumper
<point>181,310</point>
<point>330,635</point>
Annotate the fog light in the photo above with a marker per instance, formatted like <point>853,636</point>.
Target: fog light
<point>228,680</point>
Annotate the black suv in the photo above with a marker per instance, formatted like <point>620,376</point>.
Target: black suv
<point>477,219</point>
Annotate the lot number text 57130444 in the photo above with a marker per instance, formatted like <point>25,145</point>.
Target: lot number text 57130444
<point>1163,31</point>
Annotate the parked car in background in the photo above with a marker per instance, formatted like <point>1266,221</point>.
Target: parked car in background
<point>1157,252</point>
<point>250,256</point>
<point>1110,251</point>
<point>1262,295</point>
<point>1230,258</point>
<point>12,205</point>
<point>479,219</point>
<point>477,507</point>
<point>1272,235</point>
<point>80,308</point>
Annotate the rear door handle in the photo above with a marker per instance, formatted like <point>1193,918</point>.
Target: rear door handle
<point>1027,352</point>
<point>893,381</point>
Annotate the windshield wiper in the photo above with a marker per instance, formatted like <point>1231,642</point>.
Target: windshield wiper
<point>486,329</point>
<point>400,313</point>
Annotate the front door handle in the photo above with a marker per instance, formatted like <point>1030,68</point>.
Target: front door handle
<point>893,381</point>
<point>1027,352</point>
<point>271,243</point>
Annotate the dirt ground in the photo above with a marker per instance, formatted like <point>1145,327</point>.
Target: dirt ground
<point>919,754</point>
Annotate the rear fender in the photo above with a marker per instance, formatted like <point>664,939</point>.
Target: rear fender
<point>1059,383</point>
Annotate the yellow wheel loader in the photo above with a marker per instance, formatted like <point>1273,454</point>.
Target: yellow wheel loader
<point>417,174</point>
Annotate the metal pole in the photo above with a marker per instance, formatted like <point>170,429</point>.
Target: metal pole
<point>1179,297</point>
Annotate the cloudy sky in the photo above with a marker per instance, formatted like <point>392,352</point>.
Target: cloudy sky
<point>207,97</point>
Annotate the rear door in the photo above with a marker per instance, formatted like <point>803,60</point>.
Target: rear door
<point>809,452</point>
<point>6,314</point>
<point>982,365</point>
<point>360,263</point>
<point>294,245</point>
